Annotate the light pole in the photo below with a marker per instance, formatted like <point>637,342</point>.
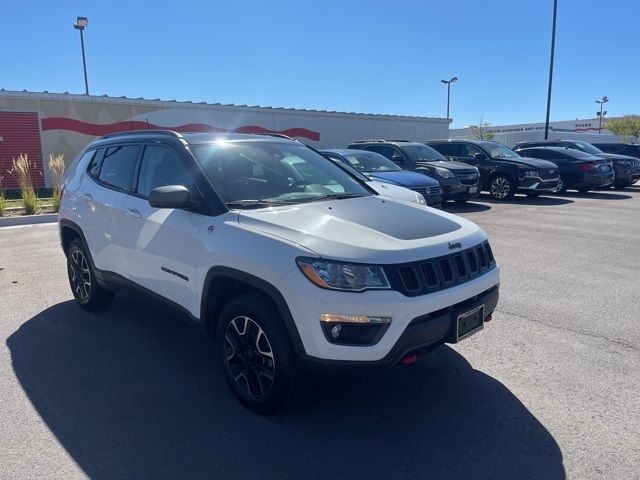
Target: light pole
<point>553,46</point>
<point>449,82</point>
<point>604,100</point>
<point>81,24</point>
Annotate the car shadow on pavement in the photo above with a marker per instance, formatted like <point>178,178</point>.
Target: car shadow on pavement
<point>134,392</point>
<point>595,195</point>
<point>466,207</point>
<point>542,201</point>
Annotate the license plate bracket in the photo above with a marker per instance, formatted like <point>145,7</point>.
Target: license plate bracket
<point>469,322</point>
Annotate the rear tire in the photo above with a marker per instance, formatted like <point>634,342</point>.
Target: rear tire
<point>623,184</point>
<point>82,279</point>
<point>256,353</point>
<point>583,189</point>
<point>562,188</point>
<point>501,187</point>
<point>533,194</point>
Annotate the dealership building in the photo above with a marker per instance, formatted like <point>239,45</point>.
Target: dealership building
<point>40,124</point>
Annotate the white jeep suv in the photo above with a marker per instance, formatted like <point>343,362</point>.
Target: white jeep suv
<point>278,254</point>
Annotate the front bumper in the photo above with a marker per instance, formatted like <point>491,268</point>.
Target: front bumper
<point>433,199</point>
<point>417,322</point>
<point>454,190</point>
<point>627,174</point>
<point>538,184</point>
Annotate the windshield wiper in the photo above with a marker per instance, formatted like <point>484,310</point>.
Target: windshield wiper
<point>250,203</point>
<point>336,196</point>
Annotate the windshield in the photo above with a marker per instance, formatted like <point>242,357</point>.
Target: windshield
<point>497,150</point>
<point>371,162</point>
<point>587,147</point>
<point>423,153</point>
<point>263,173</point>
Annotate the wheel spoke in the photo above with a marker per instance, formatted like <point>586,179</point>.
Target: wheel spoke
<point>248,356</point>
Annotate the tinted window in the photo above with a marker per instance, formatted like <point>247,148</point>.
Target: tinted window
<point>392,153</point>
<point>118,166</point>
<point>446,149</point>
<point>422,153</point>
<point>161,166</point>
<point>374,148</point>
<point>467,150</point>
<point>94,166</point>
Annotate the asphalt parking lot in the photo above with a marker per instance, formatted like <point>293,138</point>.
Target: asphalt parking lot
<point>549,389</point>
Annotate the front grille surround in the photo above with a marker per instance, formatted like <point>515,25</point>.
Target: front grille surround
<point>435,274</point>
<point>427,190</point>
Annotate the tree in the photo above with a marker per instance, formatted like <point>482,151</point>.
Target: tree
<point>480,131</point>
<point>627,127</point>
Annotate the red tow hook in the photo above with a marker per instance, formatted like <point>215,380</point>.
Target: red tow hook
<point>409,359</point>
<point>487,318</point>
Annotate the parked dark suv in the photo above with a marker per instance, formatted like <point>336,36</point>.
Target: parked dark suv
<point>578,170</point>
<point>459,181</point>
<point>629,149</point>
<point>502,171</point>
<point>627,169</point>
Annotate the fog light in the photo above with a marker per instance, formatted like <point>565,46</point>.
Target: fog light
<point>354,329</point>
<point>335,330</point>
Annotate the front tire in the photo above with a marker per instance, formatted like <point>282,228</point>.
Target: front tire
<point>533,194</point>
<point>501,187</point>
<point>82,279</point>
<point>583,189</point>
<point>256,353</point>
<point>622,184</point>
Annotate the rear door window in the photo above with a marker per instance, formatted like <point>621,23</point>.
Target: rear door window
<point>118,165</point>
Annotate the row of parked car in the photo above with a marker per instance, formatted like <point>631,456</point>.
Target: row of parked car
<point>459,169</point>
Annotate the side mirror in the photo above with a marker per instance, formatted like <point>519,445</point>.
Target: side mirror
<point>170,196</point>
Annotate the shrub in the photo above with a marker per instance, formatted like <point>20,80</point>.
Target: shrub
<point>21,170</point>
<point>57,167</point>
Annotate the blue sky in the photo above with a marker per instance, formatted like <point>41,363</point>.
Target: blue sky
<point>347,55</point>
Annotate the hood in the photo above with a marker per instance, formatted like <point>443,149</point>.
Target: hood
<point>395,192</point>
<point>404,179</point>
<point>528,162</point>
<point>614,156</point>
<point>367,229</point>
<point>448,164</point>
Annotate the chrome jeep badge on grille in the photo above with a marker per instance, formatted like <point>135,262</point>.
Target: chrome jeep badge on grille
<point>453,246</point>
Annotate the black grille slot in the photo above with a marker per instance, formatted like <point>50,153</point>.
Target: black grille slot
<point>430,274</point>
<point>435,274</point>
<point>482,257</point>
<point>461,266</point>
<point>487,249</point>
<point>473,261</point>
<point>410,279</point>
<point>446,270</point>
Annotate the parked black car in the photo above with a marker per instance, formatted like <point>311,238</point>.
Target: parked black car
<point>376,167</point>
<point>578,170</point>
<point>502,171</point>
<point>628,149</point>
<point>627,169</point>
<point>459,181</point>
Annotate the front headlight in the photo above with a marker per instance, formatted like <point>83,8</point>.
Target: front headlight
<point>420,199</point>
<point>343,276</point>
<point>444,173</point>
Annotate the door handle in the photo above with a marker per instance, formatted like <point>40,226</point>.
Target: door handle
<point>87,196</point>
<point>133,213</point>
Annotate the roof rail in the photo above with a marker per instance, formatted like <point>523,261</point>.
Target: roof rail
<point>379,140</point>
<point>127,133</point>
<point>278,135</point>
<point>399,140</point>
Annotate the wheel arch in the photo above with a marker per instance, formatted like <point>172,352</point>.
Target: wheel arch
<point>221,284</point>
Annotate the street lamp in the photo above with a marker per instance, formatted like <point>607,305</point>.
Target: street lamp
<point>604,100</point>
<point>81,24</point>
<point>449,82</point>
<point>553,47</point>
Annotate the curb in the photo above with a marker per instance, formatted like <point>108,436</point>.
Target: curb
<point>28,219</point>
